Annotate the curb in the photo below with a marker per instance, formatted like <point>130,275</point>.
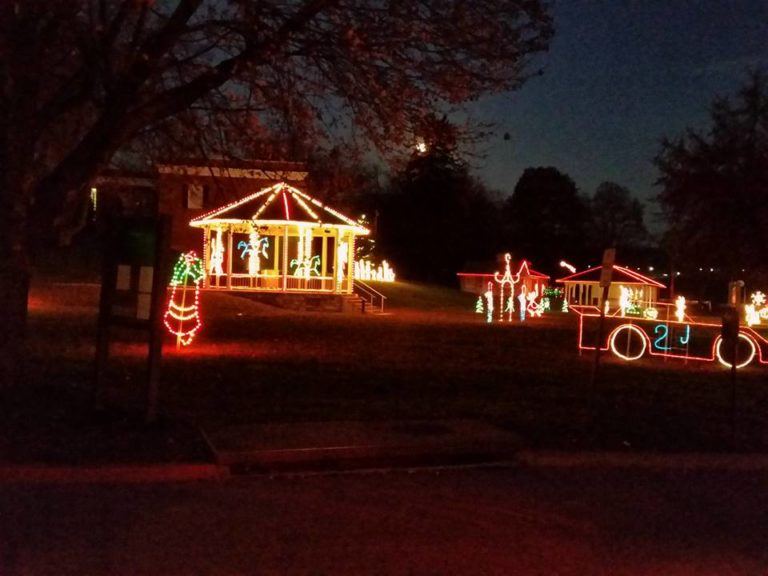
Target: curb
<point>645,461</point>
<point>352,446</point>
<point>141,474</point>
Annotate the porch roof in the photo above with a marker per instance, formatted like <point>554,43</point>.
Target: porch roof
<point>620,275</point>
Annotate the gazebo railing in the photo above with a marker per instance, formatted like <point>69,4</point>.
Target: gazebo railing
<point>272,283</point>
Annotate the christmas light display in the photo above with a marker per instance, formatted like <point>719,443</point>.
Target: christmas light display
<point>479,306</point>
<point>521,298</point>
<point>507,280</point>
<point>489,303</point>
<point>678,337</point>
<point>181,319</point>
<point>342,256</point>
<point>529,302</point>
<point>533,307</point>
<point>366,271</point>
<point>651,313</point>
<point>217,255</point>
<point>254,249</point>
<point>289,235</point>
<point>757,311</point>
<point>680,308</point>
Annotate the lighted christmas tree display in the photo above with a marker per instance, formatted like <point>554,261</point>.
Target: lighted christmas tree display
<point>479,308</point>
<point>182,319</point>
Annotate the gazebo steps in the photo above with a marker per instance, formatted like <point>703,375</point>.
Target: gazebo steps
<point>308,301</point>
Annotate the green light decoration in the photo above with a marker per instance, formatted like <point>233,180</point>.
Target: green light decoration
<point>183,321</point>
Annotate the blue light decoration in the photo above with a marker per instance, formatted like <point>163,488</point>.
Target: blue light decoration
<point>662,331</point>
<point>662,337</point>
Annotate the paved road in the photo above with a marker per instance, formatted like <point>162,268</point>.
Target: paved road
<point>514,521</point>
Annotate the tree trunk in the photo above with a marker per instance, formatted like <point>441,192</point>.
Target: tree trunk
<point>14,293</point>
<point>14,274</point>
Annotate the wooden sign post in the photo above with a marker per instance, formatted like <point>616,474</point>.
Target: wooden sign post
<point>133,290</point>
<point>606,274</point>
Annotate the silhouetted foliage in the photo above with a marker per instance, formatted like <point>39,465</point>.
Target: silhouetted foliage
<point>437,216</point>
<point>715,186</point>
<point>616,221</point>
<point>546,220</point>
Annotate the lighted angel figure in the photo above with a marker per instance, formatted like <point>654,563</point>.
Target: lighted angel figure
<point>508,279</point>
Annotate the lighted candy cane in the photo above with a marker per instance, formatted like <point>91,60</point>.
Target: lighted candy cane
<point>181,320</point>
<point>506,280</point>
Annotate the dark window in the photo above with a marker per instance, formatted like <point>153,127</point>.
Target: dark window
<point>194,196</point>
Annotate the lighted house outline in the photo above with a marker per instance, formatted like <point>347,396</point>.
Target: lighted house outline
<point>584,287</point>
<point>477,282</point>
<point>309,246</point>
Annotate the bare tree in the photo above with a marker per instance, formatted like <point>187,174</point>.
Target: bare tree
<point>85,80</point>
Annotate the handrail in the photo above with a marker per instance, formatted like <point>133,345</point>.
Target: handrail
<point>368,293</point>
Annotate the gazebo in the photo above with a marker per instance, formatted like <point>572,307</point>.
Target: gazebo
<point>278,239</point>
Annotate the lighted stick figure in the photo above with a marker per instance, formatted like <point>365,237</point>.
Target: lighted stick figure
<point>680,308</point>
<point>181,320</point>
<point>217,255</point>
<point>341,262</point>
<point>507,280</point>
<point>522,298</point>
<point>625,299</point>
<point>489,300</point>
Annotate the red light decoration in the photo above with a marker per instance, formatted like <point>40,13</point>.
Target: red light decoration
<point>671,338</point>
<point>182,320</point>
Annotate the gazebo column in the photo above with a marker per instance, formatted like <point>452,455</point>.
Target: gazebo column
<point>284,270</point>
<point>206,256</point>
<point>229,257</point>
<point>324,262</point>
<point>350,260</point>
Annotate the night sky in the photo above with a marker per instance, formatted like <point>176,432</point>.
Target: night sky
<point>621,74</point>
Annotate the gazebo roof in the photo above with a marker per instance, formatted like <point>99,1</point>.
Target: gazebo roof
<point>620,275</point>
<point>278,204</point>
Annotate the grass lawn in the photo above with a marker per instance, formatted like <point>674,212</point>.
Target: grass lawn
<point>431,357</point>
